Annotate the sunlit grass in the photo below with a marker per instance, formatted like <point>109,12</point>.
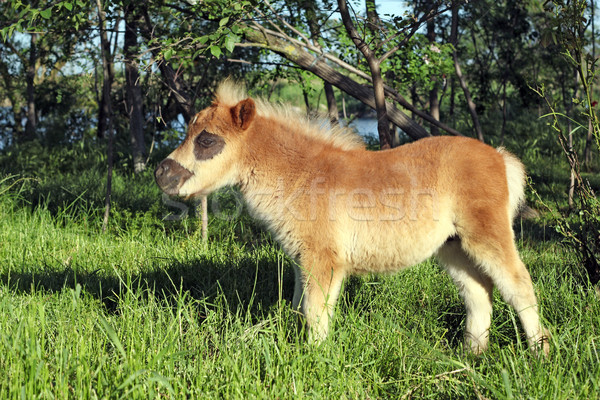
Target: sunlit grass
<point>147,312</point>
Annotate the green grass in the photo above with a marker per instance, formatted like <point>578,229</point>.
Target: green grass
<point>148,311</point>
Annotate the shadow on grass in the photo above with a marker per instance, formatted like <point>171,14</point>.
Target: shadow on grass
<point>256,283</point>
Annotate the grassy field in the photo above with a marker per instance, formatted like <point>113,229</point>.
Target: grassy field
<point>149,311</point>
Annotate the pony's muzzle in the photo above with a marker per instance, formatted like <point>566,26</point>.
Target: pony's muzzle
<point>170,175</point>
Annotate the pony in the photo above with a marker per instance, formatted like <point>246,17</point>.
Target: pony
<point>339,209</point>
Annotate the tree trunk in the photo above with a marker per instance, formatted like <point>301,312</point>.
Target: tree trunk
<point>434,104</point>
<point>332,108</point>
<point>373,21</point>
<point>463,84</point>
<point>104,108</point>
<point>383,124</point>
<point>503,128</point>
<point>31,124</point>
<point>306,99</point>
<point>134,92</point>
<point>383,127</point>
<point>452,100</point>
<point>108,116</point>
<point>13,98</point>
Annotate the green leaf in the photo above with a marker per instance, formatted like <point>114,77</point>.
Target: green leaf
<point>223,21</point>
<point>230,42</point>
<point>216,51</point>
<point>168,54</point>
<point>47,13</point>
<point>68,5</point>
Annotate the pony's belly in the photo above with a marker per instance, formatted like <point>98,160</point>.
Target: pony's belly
<point>381,248</point>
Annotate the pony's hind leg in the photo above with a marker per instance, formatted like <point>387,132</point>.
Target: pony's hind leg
<point>476,291</point>
<point>495,252</point>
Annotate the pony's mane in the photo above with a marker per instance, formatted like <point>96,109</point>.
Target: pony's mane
<point>229,93</point>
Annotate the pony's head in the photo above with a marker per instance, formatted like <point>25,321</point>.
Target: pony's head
<point>207,159</point>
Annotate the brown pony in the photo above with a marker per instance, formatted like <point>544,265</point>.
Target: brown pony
<point>338,209</point>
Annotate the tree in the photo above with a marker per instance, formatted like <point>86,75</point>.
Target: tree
<point>106,106</point>
<point>312,18</point>
<point>459,74</point>
<point>567,27</point>
<point>134,92</point>
<point>316,60</point>
<point>374,62</point>
<point>31,124</point>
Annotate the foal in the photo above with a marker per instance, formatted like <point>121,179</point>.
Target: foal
<point>338,209</point>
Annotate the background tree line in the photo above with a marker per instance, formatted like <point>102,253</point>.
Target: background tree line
<point>450,67</point>
<point>125,76</point>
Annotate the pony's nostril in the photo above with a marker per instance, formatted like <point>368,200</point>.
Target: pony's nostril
<point>161,169</point>
<point>169,175</point>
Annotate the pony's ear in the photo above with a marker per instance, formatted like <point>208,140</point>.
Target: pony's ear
<point>243,113</point>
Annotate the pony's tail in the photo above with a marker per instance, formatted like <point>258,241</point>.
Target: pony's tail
<point>515,177</point>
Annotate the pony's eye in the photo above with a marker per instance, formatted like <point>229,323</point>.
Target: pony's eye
<point>207,142</point>
<point>207,145</point>
<point>205,139</point>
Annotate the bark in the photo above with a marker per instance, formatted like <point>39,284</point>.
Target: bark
<point>434,104</point>
<point>104,108</point>
<point>134,92</point>
<point>31,124</point>
<point>332,108</point>
<point>108,116</point>
<point>373,21</point>
<point>461,79</point>
<point>306,100</point>
<point>321,69</point>
<point>504,113</point>
<point>383,127</point>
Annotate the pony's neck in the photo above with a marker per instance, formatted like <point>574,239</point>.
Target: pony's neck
<point>278,162</point>
<point>275,150</point>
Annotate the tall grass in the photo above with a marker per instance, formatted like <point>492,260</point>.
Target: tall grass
<point>149,311</point>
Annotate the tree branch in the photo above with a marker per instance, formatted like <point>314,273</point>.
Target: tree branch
<point>390,92</point>
<point>316,65</point>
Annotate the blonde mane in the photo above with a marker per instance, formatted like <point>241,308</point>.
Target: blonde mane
<point>229,93</point>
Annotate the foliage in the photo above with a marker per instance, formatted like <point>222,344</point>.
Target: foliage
<point>581,231</point>
<point>34,15</point>
<point>421,64</point>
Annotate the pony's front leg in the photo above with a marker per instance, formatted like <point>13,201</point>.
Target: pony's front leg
<point>316,292</point>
